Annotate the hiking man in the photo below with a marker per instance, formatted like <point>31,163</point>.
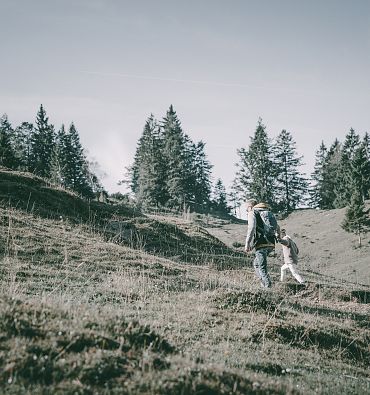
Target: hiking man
<point>262,226</point>
<point>290,252</point>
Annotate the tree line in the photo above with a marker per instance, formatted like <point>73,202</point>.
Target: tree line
<point>54,155</point>
<point>341,178</point>
<point>171,170</point>
<point>269,171</point>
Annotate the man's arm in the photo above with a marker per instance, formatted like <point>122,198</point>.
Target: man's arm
<point>251,231</point>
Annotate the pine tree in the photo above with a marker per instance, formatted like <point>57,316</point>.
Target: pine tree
<point>22,145</point>
<point>42,145</point>
<point>149,175</point>
<point>174,153</point>
<point>317,190</point>
<point>199,176</point>
<point>73,163</point>
<point>360,172</point>
<point>350,145</point>
<point>256,171</point>
<point>219,200</point>
<point>57,167</point>
<point>357,219</point>
<point>235,198</point>
<point>344,178</point>
<point>324,177</point>
<point>291,186</point>
<point>7,154</point>
<point>333,176</point>
<point>366,144</point>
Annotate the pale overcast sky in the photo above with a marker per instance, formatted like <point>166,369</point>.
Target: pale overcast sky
<point>301,65</point>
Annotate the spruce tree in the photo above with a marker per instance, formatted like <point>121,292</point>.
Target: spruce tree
<point>357,219</point>
<point>73,163</point>
<point>317,190</point>
<point>366,144</point>
<point>42,145</point>
<point>235,197</point>
<point>22,145</point>
<point>149,175</point>
<point>199,176</point>
<point>177,165</point>
<point>331,176</point>
<point>219,200</point>
<point>57,166</point>
<point>360,172</point>
<point>290,185</point>
<point>7,155</point>
<point>350,145</point>
<point>256,171</point>
<point>344,177</point>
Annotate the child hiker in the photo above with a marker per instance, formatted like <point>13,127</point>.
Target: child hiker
<point>290,252</point>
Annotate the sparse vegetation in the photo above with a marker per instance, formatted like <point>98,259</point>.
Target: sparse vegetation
<point>86,308</point>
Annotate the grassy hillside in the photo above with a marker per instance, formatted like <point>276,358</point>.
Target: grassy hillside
<point>324,246</point>
<point>117,223</point>
<point>83,311</point>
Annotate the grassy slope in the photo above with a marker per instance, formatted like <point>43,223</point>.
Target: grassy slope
<point>116,223</point>
<point>82,314</point>
<point>324,246</point>
<point>327,248</point>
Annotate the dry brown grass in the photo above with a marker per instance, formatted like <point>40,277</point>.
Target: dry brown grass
<point>193,329</point>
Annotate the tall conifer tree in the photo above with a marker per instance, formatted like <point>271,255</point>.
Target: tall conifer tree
<point>149,176</point>
<point>219,200</point>
<point>174,152</point>
<point>201,170</point>
<point>317,191</point>
<point>360,172</point>
<point>7,155</point>
<point>366,144</point>
<point>357,219</point>
<point>256,171</point>
<point>196,175</point>
<point>57,162</point>
<point>73,163</point>
<point>22,145</point>
<point>343,170</point>
<point>42,145</point>
<point>331,175</point>
<point>290,185</point>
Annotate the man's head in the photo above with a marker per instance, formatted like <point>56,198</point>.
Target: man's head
<point>250,204</point>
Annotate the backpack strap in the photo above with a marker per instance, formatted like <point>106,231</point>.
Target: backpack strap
<point>259,222</point>
<point>260,235</point>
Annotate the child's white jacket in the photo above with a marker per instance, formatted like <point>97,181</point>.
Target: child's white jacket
<point>290,255</point>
